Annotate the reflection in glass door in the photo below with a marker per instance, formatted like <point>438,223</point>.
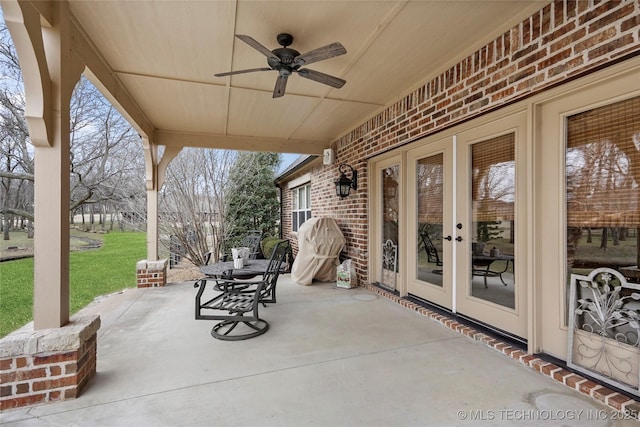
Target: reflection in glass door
<point>493,193</point>
<point>602,163</point>
<point>390,178</point>
<point>430,201</point>
<point>430,221</point>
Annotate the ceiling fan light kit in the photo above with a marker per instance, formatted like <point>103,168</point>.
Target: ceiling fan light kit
<point>287,61</point>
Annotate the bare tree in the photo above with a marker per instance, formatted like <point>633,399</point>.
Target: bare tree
<point>16,156</point>
<point>107,169</point>
<point>103,149</point>
<point>192,203</point>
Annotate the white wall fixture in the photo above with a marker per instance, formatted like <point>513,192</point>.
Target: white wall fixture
<point>328,157</point>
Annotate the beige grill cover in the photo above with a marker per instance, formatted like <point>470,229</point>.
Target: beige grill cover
<point>320,242</point>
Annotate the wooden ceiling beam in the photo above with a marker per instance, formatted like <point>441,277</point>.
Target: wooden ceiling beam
<point>243,143</point>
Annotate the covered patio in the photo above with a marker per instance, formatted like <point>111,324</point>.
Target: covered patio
<point>331,357</point>
<point>156,62</point>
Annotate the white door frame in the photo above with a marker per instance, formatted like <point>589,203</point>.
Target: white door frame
<point>514,321</point>
<point>375,168</point>
<point>550,196</point>
<point>441,295</point>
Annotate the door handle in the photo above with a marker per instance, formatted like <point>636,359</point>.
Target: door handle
<point>448,238</point>
<point>459,239</point>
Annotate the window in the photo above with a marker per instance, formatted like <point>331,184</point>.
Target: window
<point>301,206</point>
<point>603,188</point>
<point>493,199</point>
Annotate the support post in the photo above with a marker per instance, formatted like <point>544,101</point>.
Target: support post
<point>151,181</point>
<point>155,174</point>
<point>50,78</point>
<point>152,224</point>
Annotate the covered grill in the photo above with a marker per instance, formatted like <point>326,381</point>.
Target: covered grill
<point>320,242</point>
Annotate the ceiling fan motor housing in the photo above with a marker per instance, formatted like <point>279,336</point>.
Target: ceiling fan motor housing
<point>286,56</point>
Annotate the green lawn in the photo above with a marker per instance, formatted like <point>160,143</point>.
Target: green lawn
<point>92,273</point>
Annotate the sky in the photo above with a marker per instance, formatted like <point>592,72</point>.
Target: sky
<point>287,159</point>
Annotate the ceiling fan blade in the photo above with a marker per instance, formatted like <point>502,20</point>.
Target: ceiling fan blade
<point>281,85</point>
<point>322,78</point>
<point>319,54</point>
<point>251,70</point>
<point>257,46</point>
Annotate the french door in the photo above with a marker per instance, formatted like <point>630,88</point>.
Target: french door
<point>466,213</point>
<point>430,256</point>
<point>491,224</point>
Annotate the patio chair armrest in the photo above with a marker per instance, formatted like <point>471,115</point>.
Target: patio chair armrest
<point>201,282</point>
<point>229,285</point>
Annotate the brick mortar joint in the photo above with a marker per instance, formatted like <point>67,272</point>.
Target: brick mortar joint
<point>31,368</point>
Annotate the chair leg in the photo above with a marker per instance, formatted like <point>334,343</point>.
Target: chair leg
<point>222,329</point>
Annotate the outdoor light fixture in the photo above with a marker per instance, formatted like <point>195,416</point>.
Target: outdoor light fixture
<point>344,184</point>
<point>390,185</point>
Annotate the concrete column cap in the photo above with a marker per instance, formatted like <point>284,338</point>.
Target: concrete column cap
<point>70,337</point>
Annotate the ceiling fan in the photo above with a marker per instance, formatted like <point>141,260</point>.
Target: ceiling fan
<point>286,61</point>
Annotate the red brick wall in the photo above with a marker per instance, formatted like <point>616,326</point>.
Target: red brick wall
<point>151,274</point>
<point>286,224</point>
<point>562,41</point>
<point>45,376</point>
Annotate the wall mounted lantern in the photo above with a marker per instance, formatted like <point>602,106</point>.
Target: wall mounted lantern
<point>390,185</point>
<point>344,184</point>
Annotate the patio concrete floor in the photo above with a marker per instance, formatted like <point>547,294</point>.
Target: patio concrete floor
<point>332,357</point>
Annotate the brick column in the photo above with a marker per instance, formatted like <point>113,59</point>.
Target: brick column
<point>151,274</point>
<point>48,364</point>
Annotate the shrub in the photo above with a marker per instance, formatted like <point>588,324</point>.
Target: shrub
<point>268,245</point>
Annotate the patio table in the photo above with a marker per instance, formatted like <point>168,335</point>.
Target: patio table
<point>485,262</point>
<point>253,267</point>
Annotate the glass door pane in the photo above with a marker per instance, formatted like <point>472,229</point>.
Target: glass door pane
<point>603,189</point>
<point>390,178</point>
<point>390,261</point>
<point>430,216</point>
<point>493,191</point>
<point>430,203</point>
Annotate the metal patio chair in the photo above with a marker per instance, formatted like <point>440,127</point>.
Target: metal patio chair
<point>430,249</point>
<point>235,303</point>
